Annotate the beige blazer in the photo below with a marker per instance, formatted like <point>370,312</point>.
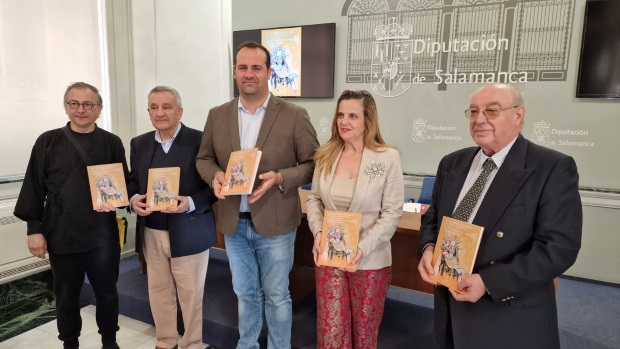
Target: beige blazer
<point>288,142</point>
<point>379,196</point>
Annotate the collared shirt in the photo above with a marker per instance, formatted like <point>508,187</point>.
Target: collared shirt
<point>249,125</point>
<point>476,169</point>
<point>166,145</point>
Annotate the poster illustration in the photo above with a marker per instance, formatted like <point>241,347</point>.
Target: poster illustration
<point>284,44</point>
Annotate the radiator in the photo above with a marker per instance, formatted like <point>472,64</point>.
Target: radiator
<point>15,259</point>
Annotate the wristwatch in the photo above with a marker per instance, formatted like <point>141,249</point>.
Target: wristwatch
<point>280,186</point>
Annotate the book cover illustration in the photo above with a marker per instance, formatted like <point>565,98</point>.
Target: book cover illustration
<point>455,251</point>
<point>241,172</point>
<point>339,239</point>
<point>107,185</point>
<point>162,187</point>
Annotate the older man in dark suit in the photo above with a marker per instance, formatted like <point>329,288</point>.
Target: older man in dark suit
<point>530,208</point>
<point>176,241</point>
<point>260,228</point>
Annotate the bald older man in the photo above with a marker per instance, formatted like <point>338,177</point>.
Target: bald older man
<point>530,209</point>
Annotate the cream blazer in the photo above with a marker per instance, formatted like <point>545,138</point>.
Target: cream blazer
<point>379,196</point>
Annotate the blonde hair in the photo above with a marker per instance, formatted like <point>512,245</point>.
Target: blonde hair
<point>326,155</point>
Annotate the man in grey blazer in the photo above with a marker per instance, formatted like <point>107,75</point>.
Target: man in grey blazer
<point>259,229</point>
<point>530,209</point>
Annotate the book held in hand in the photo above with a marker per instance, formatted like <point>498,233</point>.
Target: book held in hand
<point>339,239</point>
<point>455,251</point>
<point>107,185</point>
<point>162,187</point>
<point>241,172</point>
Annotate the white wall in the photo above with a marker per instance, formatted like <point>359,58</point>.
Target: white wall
<point>45,45</point>
<point>185,45</point>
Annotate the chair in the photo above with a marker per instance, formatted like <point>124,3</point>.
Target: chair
<point>426,193</point>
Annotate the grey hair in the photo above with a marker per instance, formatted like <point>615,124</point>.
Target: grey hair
<point>162,88</point>
<point>515,94</point>
<point>83,85</point>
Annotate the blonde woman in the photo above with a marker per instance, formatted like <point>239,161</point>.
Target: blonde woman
<point>356,172</point>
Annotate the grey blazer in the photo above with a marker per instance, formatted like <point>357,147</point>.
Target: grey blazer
<point>379,196</point>
<point>288,143</point>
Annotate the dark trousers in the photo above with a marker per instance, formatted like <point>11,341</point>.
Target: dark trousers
<point>101,267</point>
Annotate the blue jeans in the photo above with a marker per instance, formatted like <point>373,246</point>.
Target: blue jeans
<point>260,267</point>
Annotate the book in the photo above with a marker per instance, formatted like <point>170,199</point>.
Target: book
<point>162,187</point>
<point>415,207</point>
<point>339,239</point>
<point>107,185</point>
<point>241,172</point>
<point>455,251</point>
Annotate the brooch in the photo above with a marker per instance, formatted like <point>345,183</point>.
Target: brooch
<point>375,169</point>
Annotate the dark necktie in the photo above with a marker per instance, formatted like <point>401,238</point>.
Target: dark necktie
<point>463,211</point>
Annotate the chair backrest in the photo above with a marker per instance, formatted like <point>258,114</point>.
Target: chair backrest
<point>426,193</point>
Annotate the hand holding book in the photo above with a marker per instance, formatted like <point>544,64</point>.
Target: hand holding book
<point>182,206</point>
<point>106,208</point>
<point>469,289</point>
<point>218,182</point>
<point>268,180</point>
<point>138,205</point>
<point>425,267</point>
<point>356,260</point>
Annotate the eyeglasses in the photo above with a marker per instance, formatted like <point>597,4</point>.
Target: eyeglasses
<point>86,105</point>
<point>489,113</point>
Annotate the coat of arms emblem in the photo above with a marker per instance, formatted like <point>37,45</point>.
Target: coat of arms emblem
<point>418,133</point>
<point>540,133</point>
<point>392,51</point>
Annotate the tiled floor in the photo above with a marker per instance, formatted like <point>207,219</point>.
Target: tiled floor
<point>132,335</point>
<point>25,304</point>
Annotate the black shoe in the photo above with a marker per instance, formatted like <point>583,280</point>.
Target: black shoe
<point>110,346</point>
<point>71,345</point>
